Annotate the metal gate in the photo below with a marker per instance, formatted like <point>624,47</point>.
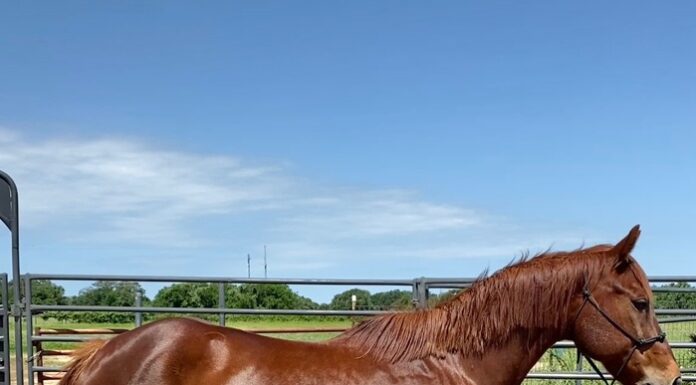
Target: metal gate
<point>4,333</point>
<point>9,215</point>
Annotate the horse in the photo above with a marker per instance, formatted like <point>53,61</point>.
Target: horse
<point>492,333</point>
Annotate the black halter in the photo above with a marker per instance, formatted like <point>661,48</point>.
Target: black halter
<point>638,343</point>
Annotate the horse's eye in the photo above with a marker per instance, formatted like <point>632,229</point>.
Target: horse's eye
<point>641,304</point>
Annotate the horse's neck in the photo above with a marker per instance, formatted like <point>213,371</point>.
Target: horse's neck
<point>507,364</point>
<point>501,308</point>
<point>512,317</point>
<point>516,321</point>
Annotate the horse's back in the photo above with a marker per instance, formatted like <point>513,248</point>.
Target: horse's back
<point>184,351</point>
<point>166,352</point>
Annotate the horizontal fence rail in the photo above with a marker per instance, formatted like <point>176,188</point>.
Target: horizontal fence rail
<point>164,278</point>
<point>213,310</point>
<point>202,310</point>
<point>419,287</point>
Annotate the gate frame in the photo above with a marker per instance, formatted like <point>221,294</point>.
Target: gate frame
<point>16,308</point>
<point>5,373</point>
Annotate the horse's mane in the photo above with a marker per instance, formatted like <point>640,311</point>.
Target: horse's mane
<point>528,293</point>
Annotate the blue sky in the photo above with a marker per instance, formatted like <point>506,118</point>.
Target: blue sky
<point>355,139</point>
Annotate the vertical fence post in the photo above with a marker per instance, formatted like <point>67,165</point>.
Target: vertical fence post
<point>30,330</point>
<point>578,365</point>
<point>221,302</point>
<point>138,303</point>
<point>420,293</point>
<point>414,293</point>
<point>5,380</point>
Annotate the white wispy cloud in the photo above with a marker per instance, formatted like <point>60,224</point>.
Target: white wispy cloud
<point>141,193</point>
<point>145,194</point>
<point>127,192</point>
<point>355,214</point>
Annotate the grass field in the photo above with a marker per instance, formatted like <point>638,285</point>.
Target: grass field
<point>260,324</point>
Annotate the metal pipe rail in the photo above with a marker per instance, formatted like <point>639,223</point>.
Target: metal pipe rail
<point>557,345</point>
<point>581,376</point>
<point>530,375</point>
<point>431,281</point>
<point>674,345</point>
<point>164,278</point>
<point>201,310</point>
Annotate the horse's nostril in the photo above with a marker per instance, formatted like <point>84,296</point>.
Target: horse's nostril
<point>677,381</point>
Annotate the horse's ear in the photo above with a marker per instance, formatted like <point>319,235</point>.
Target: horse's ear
<point>623,249</point>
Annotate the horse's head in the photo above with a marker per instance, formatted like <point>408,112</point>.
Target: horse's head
<point>615,321</point>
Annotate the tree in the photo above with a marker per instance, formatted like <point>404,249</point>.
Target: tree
<point>45,292</point>
<point>307,304</point>
<point>266,296</point>
<point>343,301</point>
<point>108,293</point>
<point>435,299</point>
<point>392,300</point>
<point>676,300</point>
<point>188,295</point>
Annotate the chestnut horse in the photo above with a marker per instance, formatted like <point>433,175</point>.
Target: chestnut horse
<point>492,333</point>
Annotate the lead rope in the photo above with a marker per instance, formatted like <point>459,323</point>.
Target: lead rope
<point>596,369</point>
<point>601,374</point>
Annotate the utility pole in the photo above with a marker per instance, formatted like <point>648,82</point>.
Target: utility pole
<point>249,265</point>
<point>265,263</point>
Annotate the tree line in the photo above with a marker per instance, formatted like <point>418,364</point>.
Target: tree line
<point>201,295</point>
<point>248,296</point>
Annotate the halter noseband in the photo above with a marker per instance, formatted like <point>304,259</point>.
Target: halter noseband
<point>637,342</point>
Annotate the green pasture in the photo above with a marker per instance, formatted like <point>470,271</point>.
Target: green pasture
<point>244,323</point>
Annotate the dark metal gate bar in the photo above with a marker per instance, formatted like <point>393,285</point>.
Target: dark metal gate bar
<point>4,333</point>
<point>9,215</point>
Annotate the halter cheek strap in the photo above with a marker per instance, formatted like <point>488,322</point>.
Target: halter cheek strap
<point>637,342</point>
